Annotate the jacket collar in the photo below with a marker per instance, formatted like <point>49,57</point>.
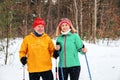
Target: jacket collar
<point>36,34</point>
<point>69,33</point>
<point>32,33</point>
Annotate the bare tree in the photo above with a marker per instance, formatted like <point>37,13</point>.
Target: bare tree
<point>48,15</point>
<point>76,16</point>
<point>95,22</point>
<point>81,18</point>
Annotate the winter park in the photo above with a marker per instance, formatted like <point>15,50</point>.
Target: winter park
<point>59,39</point>
<point>103,61</point>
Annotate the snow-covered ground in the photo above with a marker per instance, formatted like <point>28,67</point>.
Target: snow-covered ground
<point>103,59</point>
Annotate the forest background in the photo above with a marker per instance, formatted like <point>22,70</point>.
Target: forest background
<point>93,19</point>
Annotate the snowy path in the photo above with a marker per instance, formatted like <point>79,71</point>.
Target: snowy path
<point>104,64</point>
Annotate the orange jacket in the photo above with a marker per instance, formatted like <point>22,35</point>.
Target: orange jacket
<point>38,51</point>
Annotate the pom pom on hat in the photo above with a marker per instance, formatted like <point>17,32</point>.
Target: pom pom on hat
<point>38,21</point>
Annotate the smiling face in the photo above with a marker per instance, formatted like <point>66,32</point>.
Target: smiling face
<point>65,27</point>
<point>39,29</point>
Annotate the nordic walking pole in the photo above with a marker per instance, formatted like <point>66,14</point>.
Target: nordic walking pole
<point>61,69</point>
<point>62,73</point>
<point>56,70</point>
<point>23,72</point>
<point>88,67</point>
<point>60,61</point>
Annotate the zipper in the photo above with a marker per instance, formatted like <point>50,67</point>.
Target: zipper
<point>65,50</point>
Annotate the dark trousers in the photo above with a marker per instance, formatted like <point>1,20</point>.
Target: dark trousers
<point>47,75</point>
<point>74,73</point>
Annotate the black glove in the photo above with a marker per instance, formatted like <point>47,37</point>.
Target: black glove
<point>79,50</point>
<point>23,60</point>
<point>83,46</point>
<point>57,43</point>
<point>56,54</point>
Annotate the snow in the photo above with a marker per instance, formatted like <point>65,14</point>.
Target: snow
<point>103,59</point>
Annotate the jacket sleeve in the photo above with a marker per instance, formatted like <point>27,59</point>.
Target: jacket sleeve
<point>78,42</point>
<point>51,47</point>
<point>23,48</point>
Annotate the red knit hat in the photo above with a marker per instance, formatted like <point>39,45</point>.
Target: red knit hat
<point>65,21</point>
<point>38,21</point>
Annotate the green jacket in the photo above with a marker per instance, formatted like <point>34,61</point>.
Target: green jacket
<point>70,45</point>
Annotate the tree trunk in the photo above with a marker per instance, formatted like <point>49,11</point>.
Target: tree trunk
<point>81,19</point>
<point>76,16</point>
<point>94,27</point>
<point>48,15</point>
<point>6,56</point>
<point>58,11</point>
